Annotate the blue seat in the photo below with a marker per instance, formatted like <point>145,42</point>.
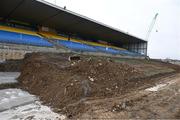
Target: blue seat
<point>76,46</point>
<point>91,48</point>
<point>19,38</point>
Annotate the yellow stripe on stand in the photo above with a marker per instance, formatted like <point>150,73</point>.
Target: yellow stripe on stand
<point>18,30</point>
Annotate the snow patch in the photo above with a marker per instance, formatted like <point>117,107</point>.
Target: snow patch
<point>160,86</point>
<point>156,88</point>
<point>4,100</point>
<point>33,111</point>
<point>8,77</point>
<point>10,98</point>
<point>16,104</point>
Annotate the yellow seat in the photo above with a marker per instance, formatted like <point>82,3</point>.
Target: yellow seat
<point>18,30</point>
<point>53,36</point>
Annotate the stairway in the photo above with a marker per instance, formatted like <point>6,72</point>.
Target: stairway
<point>54,42</point>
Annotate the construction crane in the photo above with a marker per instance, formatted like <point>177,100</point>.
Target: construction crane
<point>150,30</point>
<point>151,27</point>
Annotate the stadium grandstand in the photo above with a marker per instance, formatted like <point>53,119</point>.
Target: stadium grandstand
<point>36,25</point>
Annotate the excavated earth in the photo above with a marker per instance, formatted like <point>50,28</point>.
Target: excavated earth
<point>67,82</point>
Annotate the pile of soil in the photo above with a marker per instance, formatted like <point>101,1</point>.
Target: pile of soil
<point>11,66</point>
<point>65,84</point>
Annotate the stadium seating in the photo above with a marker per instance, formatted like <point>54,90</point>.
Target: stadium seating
<point>77,46</point>
<point>19,36</point>
<point>34,38</point>
<point>80,45</point>
<point>18,30</point>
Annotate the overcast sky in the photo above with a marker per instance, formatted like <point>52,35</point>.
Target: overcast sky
<point>134,17</point>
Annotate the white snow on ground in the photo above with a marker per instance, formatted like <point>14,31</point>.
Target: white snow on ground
<point>16,104</point>
<point>156,88</point>
<point>2,61</point>
<point>8,77</point>
<point>159,86</point>
<point>33,111</point>
<point>10,98</point>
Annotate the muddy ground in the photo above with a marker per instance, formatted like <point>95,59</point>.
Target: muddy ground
<point>11,66</point>
<point>88,87</point>
<point>140,104</point>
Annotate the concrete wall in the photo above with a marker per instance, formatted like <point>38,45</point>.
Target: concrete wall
<point>12,54</point>
<point>13,51</point>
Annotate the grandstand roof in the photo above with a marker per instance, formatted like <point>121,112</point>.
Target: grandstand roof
<point>44,13</point>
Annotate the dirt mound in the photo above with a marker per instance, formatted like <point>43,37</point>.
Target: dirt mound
<point>11,66</point>
<point>65,84</point>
